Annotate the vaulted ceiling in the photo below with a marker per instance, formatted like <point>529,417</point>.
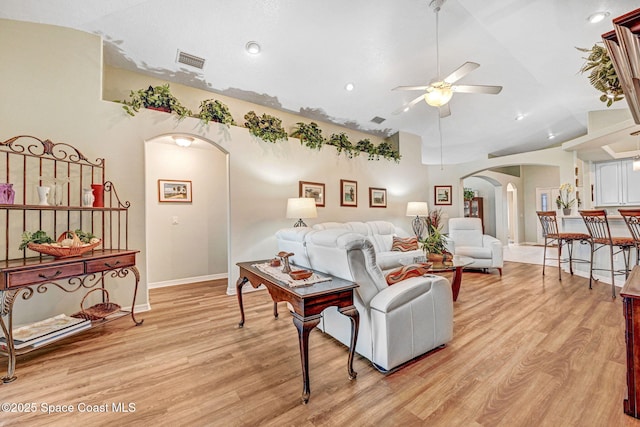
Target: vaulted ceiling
<point>310,50</point>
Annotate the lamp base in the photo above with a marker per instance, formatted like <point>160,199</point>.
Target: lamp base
<point>300,223</point>
<point>418,226</point>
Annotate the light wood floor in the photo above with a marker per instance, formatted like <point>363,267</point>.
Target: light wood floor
<point>527,351</point>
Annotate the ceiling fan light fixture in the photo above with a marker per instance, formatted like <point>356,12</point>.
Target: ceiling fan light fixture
<point>596,17</point>
<point>438,96</point>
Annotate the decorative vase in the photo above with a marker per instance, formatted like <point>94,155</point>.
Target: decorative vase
<point>7,194</point>
<point>98,194</point>
<point>566,211</point>
<point>87,197</point>
<point>43,195</point>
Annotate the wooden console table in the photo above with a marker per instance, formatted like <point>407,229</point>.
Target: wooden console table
<point>630,294</point>
<point>24,276</point>
<point>308,303</point>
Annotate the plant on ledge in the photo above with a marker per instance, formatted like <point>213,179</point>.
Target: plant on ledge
<point>468,193</point>
<point>212,110</point>
<point>563,201</point>
<point>385,150</point>
<point>342,143</point>
<point>602,74</point>
<point>366,146</point>
<point>157,98</point>
<point>309,134</point>
<point>266,127</point>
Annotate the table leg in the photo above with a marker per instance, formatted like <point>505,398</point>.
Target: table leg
<point>136,274</point>
<point>239,284</point>
<point>304,327</point>
<point>354,315</point>
<point>6,309</point>
<point>456,281</point>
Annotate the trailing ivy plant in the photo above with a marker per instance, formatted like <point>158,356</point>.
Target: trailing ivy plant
<point>342,143</point>
<point>265,127</point>
<point>309,134</point>
<point>212,110</point>
<point>158,97</point>
<point>384,149</point>
<point>365,145</point>
<point>602,74</point>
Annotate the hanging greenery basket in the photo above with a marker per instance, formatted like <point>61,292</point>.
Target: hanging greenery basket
<point>212,110</point>
<point>265,127</point>
<point>157,98</point>
<point>602,74</point>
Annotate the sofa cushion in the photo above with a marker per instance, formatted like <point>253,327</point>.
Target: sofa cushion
<point>404,244</point>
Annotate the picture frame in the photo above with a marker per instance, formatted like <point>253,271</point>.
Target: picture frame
<point>174,191</point>
<point>348,193</point>
<point>377,197</point>
<point>442,195</point>
<point>314,190</point>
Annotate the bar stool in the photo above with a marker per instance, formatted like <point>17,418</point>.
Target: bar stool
<point>598,227</point>
<point>552,236</point>
<point>632,219</point>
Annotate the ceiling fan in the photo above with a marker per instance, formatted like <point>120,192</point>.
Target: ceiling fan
<point>438,93</point>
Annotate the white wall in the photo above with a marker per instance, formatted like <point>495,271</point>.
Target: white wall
<point>194,248</point>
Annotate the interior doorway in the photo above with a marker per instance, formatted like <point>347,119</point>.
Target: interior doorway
<point>187,240</point>
<point>512,214</point>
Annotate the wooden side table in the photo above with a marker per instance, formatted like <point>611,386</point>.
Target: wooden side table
<point>308,303</point>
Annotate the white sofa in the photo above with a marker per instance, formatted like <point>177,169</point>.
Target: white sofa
<point>397,323</point>
<point>466,239</point>
<point>381,234</point>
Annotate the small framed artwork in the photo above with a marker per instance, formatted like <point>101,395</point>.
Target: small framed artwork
<point>442,194</point>
<point>314,190</point>
<point>174,191</point>
<point>348,193</point>
<point>377,197</point>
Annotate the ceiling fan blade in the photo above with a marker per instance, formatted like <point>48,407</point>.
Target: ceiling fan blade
<point>444,111</point>
<point>462,71</point>
<point>409,105</point>
<point>411,88</point>
<point>492,90</point>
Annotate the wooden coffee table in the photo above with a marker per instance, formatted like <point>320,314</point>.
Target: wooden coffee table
<point>455,264</point>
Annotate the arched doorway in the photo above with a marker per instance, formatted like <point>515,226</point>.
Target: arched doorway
<point>187,240</point>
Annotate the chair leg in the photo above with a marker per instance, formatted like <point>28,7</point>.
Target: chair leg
<point>559,258</point>
<point>613,273</point>
<point>570,250</point>
<point>544,256</point>
<point>591,268</point>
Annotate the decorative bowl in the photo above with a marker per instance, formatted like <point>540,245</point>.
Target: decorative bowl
<point>300,274</point>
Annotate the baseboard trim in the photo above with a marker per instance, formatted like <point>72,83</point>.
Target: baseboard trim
<point>187,280</point>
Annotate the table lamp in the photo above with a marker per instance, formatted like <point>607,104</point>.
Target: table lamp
<point>301,207</point>
<point>419,210</point>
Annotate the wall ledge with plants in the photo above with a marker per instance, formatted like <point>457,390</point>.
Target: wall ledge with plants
<point>266,127</point>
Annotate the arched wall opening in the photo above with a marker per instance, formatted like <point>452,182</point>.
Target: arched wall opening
<point>187,237</point>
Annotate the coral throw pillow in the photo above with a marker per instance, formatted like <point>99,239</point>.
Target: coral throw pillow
<point>404,244</point>
<point>401,273</point>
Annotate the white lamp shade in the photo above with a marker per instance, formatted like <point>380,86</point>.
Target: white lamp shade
<point>301,207</point>
<point>417,209</point>
<point>438,96</point>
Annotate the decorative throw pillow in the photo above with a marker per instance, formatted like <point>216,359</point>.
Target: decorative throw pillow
<point>404,244</point>
<point>401,273</point>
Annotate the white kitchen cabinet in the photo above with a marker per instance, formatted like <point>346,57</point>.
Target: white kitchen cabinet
<point>616,184</point>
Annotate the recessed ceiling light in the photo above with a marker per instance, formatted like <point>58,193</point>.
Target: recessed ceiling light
<point>253,47</point>
<point>349,87</point>
<point>183,141</point>
<point>594,18</point>
<point>520,117</point>
<point>551,136</point>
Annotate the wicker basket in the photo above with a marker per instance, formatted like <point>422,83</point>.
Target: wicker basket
<point>98,311</point>
<point>76,249</point>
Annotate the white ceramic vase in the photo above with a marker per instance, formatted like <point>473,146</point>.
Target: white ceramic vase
<point>43,195</point>
<point>87,197</point>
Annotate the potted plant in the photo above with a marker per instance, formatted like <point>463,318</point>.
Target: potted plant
<point>564,200</point>
<point>342,143</point>
<point>309,134</point>
<point>435,244</point>
<point>265,127</point>
<point>212,110</point>
<point>602,74</point>
<point>366,146</point>
<point>385,150</point>
<point>155,98</point>
<point>468,194</point>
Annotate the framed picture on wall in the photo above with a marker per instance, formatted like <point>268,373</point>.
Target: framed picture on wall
<point>377,197</point>
<point>442,195</point>
<point>174,191</point>
<point>348,193</point>
<point>314,190</point>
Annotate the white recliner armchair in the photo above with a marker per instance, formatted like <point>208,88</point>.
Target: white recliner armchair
<point>466,239</point>
<point>397,323</point>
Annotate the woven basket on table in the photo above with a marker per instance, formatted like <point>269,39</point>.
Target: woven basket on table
<point>98,311</point>
<point>77,248</point>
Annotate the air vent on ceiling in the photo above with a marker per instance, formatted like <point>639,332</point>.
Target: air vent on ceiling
<point>191,60</point>
<point>378,120</point>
